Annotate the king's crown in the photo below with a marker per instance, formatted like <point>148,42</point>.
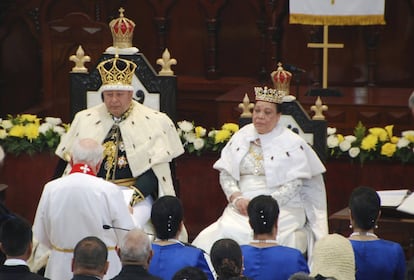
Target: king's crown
<point>122,30</point>
<point>268,95</point>
<point>116,71</point>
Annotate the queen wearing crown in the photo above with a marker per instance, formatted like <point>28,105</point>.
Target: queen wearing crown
<point>266,158</point>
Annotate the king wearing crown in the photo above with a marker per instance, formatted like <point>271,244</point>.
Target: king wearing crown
<point>139,142</point>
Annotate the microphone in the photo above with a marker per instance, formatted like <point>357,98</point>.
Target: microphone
<point>109,227</point>
<point>292,68</point>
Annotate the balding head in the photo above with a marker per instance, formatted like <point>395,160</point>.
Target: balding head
<point>135,248</point>
<point>90,257</point>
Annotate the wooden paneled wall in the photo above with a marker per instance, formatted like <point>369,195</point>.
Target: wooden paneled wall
<point>219,45</point>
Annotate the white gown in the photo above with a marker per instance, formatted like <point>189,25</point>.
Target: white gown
<point>293,177</point>
<point>74,207</point>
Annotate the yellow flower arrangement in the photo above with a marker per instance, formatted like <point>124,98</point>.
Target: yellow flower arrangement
<point>195,139</point>
<point>373,144</point>
<point>27,133</point>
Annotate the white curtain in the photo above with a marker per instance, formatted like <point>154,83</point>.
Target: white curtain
<point>337,12</point>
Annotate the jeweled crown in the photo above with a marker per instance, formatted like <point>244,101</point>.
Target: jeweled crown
<point>122,30</point>
<point>117,73</point>
<point>281,79</point>
<point>268,95</point>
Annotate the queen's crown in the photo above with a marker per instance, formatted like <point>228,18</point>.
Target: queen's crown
<point>122,30</point>
<point>268,95</point>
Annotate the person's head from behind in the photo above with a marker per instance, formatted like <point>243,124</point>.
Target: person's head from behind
<point>167,217</point>
<point>263,212</point>
<point>333,258</point>
<point>364,204</point>
<point>301,276</point>
<point>135,248</point>
<point>87,151</point>
<point>226,257</point>
<point>411,102</point>
<point>190,273</point>
<point>2,155</point>
<point>16,238</point>
<point>90,257</point>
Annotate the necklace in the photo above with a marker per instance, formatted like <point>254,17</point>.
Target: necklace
<point>256,153</point>
<point>264,241</point>
<point>173,240</point>
<point>357,233</point>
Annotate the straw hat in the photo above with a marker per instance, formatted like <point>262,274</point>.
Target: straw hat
<point>333,256</point>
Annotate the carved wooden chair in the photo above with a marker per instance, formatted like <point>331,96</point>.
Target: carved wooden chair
<point>157,91</point>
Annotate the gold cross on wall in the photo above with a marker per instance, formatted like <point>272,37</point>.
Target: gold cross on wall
<point>332,2</point>
<point>325,45</point>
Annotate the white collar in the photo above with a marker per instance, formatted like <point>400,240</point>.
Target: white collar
<point>12,262</point>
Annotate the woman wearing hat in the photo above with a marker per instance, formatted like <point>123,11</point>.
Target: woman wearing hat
<point>375,258</point>
<point>333,258</point>
<point>264,259</point>
<point>266,157</point>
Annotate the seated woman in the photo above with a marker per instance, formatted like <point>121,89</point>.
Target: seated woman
<point>264,259</point>
<point>171,255</point>
<point>375,258</point>
<point>266,157</point>
<point>227,259</point>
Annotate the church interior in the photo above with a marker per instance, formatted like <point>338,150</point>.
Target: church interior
<point>223,48</point>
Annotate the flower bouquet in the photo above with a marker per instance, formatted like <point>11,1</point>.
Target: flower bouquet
<point>195,139</point>
<point>375,143</point>
<point>29,134</point>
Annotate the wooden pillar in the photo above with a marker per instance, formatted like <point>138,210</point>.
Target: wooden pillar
<point>212,10</point>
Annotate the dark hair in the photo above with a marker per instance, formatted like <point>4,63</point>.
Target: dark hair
<point>15,236</point>
<point>190,273</point>
<point>226,257</point>
<point>90,253</point>
<point>364,204</point>
<point>301,276</point>
<point>166,216</point>
<point>263,212</point>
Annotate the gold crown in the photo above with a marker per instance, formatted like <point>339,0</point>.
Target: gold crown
<point>268,95</point>
<point>122,30</point>
<point>117,73</point>
<point>281,79</point>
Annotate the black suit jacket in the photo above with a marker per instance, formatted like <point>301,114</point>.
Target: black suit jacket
<point>21,272</point>
<point>135,272</point>
<point>84,277</point>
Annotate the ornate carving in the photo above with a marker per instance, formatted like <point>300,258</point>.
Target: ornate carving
<point>246,107</point>
<point>212,9</point>
<point>80,58</point>
<point>319,108</point>
<point>166,61</point>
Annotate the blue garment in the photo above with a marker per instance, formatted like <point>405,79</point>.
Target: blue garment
<point>379,260</point>
<point>168,259</point>
<point>272,263</point>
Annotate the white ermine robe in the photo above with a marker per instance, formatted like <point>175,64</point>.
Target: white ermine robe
<point>290,171</point>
